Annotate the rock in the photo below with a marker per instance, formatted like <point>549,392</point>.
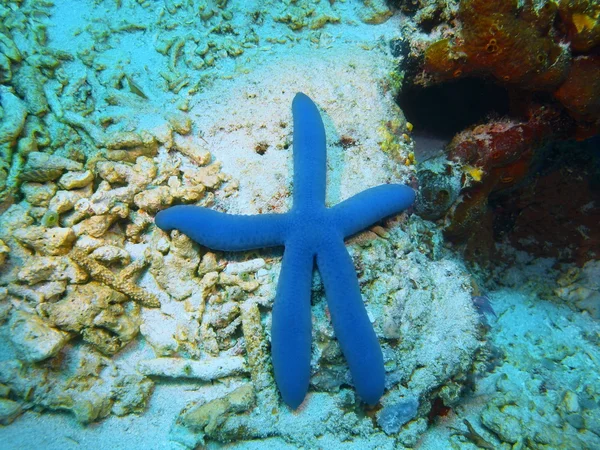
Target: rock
<point>154,200</point>
<point>159,331</point>
<point>64,201</point>
<point>128,146</point>
<point>51,290</point>
<point>9,411</point>
<point>571,402</point>
<point>88,409</point>
<point>209,416</point>
<point>180,123</point>
<point>42,167</point>
<point>33,339</point>
<point>581,288</point>
<point>95,226</point>
<point>28,81</point>
<point>74,386</point>
<point>38,194</point>
<point>111,254</point>
<point>234,280</point>
<point>97,313</point>
<point>131,393</point>
<point>133,179</point>
<point>5,69</point>
<point>52,268</point>
<point>375,12</point>
<point>4,251</point>
<point>12,123</point>
<point>4,390</point>
<point>75,180</point>
<point>209,176</point>
<point>46,241</point>
<point>209,264</point>
<point>191,148</point>
<point>185,193</point>
<point>392,417</point>
<point>176,271</point>
<point>238,268</point>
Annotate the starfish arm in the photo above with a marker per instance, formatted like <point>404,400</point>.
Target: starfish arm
<point>227,232</point>
<point>291,324</point>
<point>310,155</point>
<point>350,320</point>
<point>367,207</point>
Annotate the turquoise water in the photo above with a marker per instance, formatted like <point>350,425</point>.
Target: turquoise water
<point>483,295</point>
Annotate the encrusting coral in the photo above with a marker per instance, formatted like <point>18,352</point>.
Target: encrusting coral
<point>546,46</point>
<point>513,44</point>
<point>493,157</point>
<point>544,56</point>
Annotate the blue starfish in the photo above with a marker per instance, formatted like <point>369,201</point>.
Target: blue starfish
<point>308,231</point>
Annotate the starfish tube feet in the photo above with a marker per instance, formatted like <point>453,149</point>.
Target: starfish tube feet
<point>291,325</point>
<point>350,320</point>
<point>226,232</point>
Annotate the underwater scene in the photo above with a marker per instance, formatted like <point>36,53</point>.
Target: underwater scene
<point>299,224</point>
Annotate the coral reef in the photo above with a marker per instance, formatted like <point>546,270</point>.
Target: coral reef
<point>121,282</point>
<point>555,215</point>
<point>376,12</point>
<point>98,306</point>
<point>206,370</point>
<point>33,339</point>
<point>392,417</point>
<point>514,45</point>
<point>77,383</point>
<point>208,417</point>
<point>580,23</point>
<point>77,188</point>
<point>543,54</point>
<point>580,94</point>
<point>494,157</point>
<point>98,313</point>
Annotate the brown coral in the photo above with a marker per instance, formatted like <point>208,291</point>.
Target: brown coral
<point>522,48</point>
<point>514,45</point>
<point>545,55</point>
